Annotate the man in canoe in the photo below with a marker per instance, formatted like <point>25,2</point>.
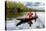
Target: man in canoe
<point>27,19</point>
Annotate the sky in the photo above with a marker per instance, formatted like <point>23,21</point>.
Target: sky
<point>40,6</point>
<point>36,5</point>
<point>27,0</point>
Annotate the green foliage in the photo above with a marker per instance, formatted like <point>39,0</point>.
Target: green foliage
<point>10,9</point>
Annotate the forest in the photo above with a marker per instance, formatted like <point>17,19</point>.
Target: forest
<point>14,9</point>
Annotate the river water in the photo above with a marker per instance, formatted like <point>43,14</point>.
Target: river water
<point>39,24</point>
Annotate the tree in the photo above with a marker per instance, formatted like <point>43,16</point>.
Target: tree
<point>14,5</point>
